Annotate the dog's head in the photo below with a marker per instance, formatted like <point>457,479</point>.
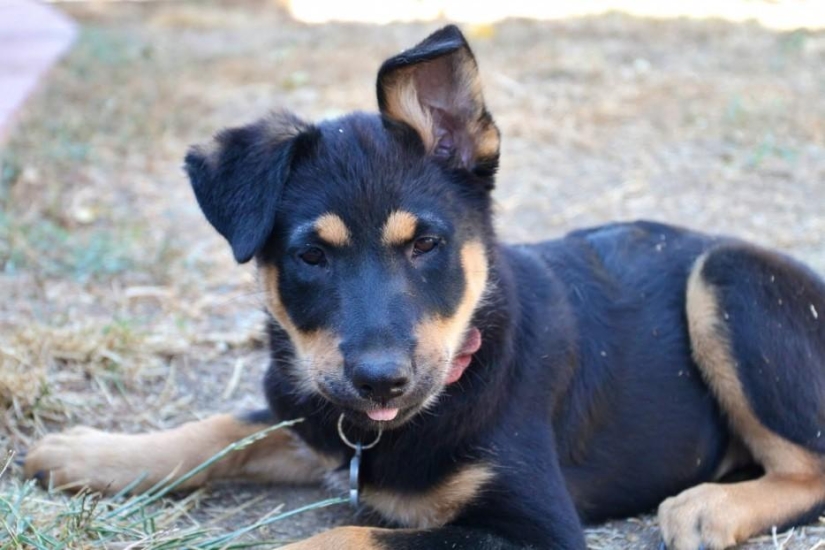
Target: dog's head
<point>371,233</point>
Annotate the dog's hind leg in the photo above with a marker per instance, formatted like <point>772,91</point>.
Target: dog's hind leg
<point>109,462</point>
<point>757,328</point>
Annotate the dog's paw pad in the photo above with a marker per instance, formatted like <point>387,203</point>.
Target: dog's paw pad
<point>65,458</point>
<point>698,519</point>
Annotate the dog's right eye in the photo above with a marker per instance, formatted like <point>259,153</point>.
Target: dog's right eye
<point>424,245</point>
<point>312,256</point>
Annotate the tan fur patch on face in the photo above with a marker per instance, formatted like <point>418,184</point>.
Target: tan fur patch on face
<point>399,228</point>
<point>332,230</point>
<point>436,506</point>
<point>439,338</point>
<point>317,352</point>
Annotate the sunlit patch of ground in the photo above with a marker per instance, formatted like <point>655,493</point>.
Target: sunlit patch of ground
<point>776,14</point>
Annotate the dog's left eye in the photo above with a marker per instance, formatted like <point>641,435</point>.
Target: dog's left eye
<point>312,255</point>
<point>424,245</point>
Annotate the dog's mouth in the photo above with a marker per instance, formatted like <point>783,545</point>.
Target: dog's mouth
<point>391,414</point>
<point>462,359</point>
<point>383,415</point>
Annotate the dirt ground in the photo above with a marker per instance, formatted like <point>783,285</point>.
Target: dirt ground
<point>122,309</point>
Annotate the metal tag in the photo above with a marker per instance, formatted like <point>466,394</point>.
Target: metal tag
<point>354,471</point>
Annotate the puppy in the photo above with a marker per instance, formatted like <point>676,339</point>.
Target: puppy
<point>478,395</point>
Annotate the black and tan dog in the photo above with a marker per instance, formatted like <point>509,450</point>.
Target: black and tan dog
<point>519,390</point>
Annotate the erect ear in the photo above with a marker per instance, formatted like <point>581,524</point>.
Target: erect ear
<point>435,88</point>
<point>238,179</point>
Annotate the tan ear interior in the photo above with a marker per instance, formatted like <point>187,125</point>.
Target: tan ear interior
<point>440,97</point>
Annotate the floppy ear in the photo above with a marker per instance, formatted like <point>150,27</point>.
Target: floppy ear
<point>435,88</point>
<point>238,179</point>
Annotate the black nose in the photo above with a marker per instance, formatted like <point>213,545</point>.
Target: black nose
<point>381,376</point>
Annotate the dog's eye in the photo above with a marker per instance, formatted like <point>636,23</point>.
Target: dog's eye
<point>424,245</point>
<point>312,256</point>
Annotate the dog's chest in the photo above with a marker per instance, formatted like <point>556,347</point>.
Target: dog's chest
<point>432,507</point>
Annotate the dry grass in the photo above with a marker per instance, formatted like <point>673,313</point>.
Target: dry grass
<point>122,309</point>
<point>55,521</point>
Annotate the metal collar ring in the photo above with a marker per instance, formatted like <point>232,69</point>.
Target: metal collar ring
<point>352,445</point>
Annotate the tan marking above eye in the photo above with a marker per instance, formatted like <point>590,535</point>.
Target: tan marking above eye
<point>399,228</point>
<point>332,230</point>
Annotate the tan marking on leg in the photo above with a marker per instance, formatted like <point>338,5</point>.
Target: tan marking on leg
<point>280,457</point>
<point>108,462</point>
<point>332,230</point>
<point>439,338</point>
<point>435,507</point>
<point>717,515</point>
<point>316,352</point>
<point>711,350</point>
<point>723,515</point>
<point>341,538</point>
<point>736,457</point>
<point>399,228</point>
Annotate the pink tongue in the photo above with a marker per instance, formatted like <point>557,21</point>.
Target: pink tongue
<point>382,415</point>
<point>472,343</point>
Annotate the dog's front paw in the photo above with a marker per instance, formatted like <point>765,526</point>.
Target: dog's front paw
<point>340,538</point>
<point>700,518</point>
<point>80,457</point>
<point>105,462</point>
